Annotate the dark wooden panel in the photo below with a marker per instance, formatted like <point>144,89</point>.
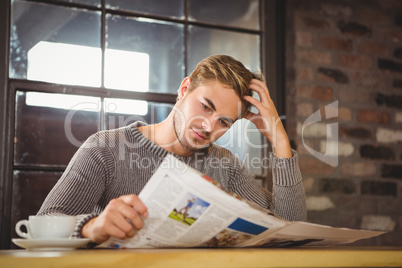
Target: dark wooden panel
<point>41,137</point>
<point>30,189</point>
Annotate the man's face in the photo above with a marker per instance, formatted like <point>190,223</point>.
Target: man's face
<point>205,114</point>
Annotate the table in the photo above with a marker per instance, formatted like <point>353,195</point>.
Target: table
<point>291,257</point>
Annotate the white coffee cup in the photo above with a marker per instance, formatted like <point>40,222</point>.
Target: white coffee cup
<point>46,227</point>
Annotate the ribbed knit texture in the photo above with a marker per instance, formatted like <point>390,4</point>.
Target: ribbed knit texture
<point>121,161</point>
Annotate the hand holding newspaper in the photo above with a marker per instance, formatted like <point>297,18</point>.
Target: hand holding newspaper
<point>188,209</point>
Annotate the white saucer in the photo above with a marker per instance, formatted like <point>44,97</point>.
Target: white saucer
<point>50,244</point>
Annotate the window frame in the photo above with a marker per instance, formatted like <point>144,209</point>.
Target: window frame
<point>272,40</point>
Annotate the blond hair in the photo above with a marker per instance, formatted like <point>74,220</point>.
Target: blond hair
<point>227,71</point>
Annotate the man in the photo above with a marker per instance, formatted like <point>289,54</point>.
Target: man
<point>102,181</point>
<point>186,208</point>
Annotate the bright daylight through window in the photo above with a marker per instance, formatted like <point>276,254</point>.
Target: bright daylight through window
<point>57,63</point>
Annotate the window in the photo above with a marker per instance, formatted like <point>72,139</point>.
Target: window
<point>91,65</point>
<point>135,46</point>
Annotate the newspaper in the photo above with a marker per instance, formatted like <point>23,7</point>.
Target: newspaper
<point>189,209</point>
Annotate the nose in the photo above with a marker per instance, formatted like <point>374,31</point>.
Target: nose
<point>208,124</point>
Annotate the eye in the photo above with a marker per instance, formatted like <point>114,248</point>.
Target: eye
<point>223,123</point>
<point>205,107</point>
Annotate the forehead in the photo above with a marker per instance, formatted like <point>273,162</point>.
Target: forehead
<point>224,98</point>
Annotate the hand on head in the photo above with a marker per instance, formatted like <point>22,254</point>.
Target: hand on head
<point>267,120</point>
<point>122,218</point>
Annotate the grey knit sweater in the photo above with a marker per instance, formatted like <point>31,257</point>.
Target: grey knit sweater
<point>121,161</point>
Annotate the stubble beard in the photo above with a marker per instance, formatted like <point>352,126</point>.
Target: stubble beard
<point>180,135</point>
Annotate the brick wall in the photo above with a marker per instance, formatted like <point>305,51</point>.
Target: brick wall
<point>349,52</point>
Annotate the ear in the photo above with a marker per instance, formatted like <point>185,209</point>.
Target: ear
<point>183,88</point>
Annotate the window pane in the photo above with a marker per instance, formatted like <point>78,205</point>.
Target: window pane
<point>96,3</point>
<point>62,46</point>
<point>50,127</point>
<point>120,113</point>
<point>143,55</point>
<point>243,139</point>
<point>235,13</point>
<point>171,8</point>
<point>30,189</point>
<point>204,42</point>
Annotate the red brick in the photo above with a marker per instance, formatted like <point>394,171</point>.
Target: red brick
<point>398,55</point>
<point>325,78</point>
<point>338,186</point>
<point>373,48</point>
<point>316,130</point>
<point>304,109</point>
<point>312,56</point>
<point>398,117</point>
<point>343,113</point>
<point>365,168</point>
<point>336,10</point>
<point>314,166</point>
<point>301,148</point>
<point>389,206</point>
<point>325,111</point>
<point>304,39</point>
<point>372,116</point>
<point>374,80</point>
<point>332,75</point>
<point>389,35</point>
<point>379,188</point>
<point>321,93</point>
<point>335,43</point>
<point>389,65</point>
<point>305,74</point>
<point>393,100</point>
<point>370,15</point>
<point>354,29</point>
<point>354,132</point>
<point>356,62</point>
<point>308,184</point>
<point>384,135</point>
<point>391,171</point>
<point>348,95</point>
<point>367,205</point>
<point>303,5</point>
<point>316,23</point>
<point>391,5</point>
<point>369,151</point>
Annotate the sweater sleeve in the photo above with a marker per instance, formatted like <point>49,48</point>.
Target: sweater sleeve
<point>288,190</point>
<point>287,199</point>
<point>81,186</point>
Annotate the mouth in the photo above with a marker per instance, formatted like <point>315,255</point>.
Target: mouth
<point>198,135</point>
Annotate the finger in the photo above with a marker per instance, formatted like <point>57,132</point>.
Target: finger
<point>108,225</point>
<point>128,218</point>
<point>120,218</point>
<point>132,233</point>
<point>135,219</point>
<point>262,91</point>
<point>135,202</point>
<point>137,212</point>
<point>117,231</point>
<point>261,84</point>
<point>123,216</point>
<point>254,102</point>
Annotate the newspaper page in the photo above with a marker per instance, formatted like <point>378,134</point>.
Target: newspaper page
<point>310,234</point>
<point>188,209</point>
